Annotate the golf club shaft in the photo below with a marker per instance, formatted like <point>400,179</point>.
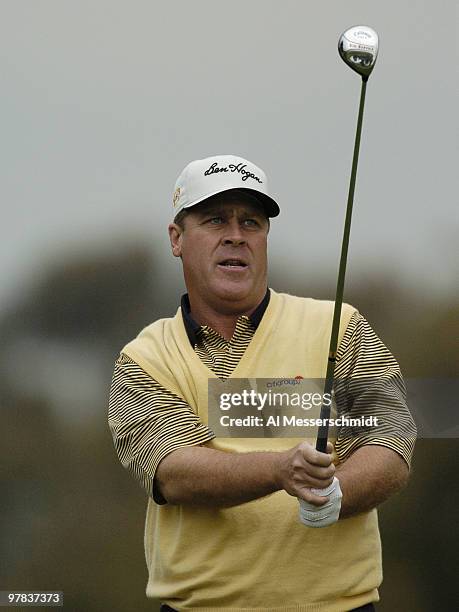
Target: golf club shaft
<point>322,434</point>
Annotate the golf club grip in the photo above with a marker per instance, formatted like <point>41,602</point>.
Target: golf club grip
<point>322,439</point>
<point>322,434</point>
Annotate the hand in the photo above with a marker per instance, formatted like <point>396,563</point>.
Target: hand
<point>303,469</point>
<point>322,516</point>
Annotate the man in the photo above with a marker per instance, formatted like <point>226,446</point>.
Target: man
<point>222,528</point>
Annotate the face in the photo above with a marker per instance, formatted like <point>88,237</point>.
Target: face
<point>223,247</point>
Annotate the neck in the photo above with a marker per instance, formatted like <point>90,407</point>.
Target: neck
<point>221,319</point>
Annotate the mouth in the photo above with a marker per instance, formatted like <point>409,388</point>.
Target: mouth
<point>233,264</point>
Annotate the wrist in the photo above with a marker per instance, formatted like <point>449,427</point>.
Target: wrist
<point>277,469</point>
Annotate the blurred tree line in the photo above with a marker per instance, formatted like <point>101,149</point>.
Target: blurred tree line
<point>72,519</point>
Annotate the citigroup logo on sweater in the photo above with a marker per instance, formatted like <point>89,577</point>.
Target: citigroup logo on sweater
<point>280,382</point>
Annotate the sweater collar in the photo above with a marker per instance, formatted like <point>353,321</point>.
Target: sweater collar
<point>192,328</point>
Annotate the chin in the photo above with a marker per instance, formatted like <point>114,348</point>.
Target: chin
<point>235,292</point>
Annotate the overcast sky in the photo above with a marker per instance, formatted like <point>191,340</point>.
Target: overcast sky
<point>104,102</point>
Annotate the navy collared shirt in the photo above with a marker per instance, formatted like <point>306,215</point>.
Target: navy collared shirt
<point>192,328</point>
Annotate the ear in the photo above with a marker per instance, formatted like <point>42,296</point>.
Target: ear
<point>175,236</point>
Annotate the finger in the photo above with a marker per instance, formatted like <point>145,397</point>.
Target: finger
<point>314,471</point>
<point>313,456</point>
<point>315,483</point>
<point>315,500</point>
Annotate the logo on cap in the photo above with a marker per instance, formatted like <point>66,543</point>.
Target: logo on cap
<point>176,197</point>
<point>240,168</point>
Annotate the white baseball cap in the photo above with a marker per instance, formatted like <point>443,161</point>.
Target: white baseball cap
<point>203,178</point>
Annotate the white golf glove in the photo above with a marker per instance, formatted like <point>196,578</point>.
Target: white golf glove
<point>322,516</point>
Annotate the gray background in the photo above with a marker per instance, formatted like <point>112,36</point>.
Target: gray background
<point>102,105</point>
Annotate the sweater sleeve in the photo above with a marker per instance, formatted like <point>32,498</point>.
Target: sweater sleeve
<point>368,382</point>
<point>148,422</point>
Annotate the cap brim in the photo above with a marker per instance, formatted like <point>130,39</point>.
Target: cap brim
<point>270,206</point>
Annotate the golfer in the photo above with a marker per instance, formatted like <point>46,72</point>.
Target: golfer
<point>222,527</point>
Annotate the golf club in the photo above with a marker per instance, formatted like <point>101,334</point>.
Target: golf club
<point>358,47</point>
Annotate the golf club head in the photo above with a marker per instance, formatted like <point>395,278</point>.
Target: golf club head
<point>358,46</point>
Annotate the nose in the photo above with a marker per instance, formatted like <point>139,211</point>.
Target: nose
<point>234,235</point>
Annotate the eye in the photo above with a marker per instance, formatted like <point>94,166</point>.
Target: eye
<point>216,220</point>
<point>251,223</point>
